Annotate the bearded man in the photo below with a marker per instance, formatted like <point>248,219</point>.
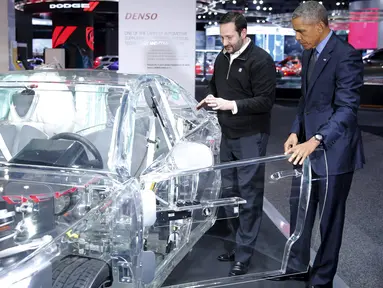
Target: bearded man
<point>242,91</point>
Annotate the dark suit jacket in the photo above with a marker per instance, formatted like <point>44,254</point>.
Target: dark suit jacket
<point>329,106</point>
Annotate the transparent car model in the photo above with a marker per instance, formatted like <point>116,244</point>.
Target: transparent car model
<point>111,180</point>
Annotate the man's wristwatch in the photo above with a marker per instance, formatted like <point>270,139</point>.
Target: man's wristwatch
<point>318,137</point>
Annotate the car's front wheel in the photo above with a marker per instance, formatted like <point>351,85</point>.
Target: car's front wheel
<point>80,272</point>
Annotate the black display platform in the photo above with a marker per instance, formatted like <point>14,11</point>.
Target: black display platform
<point>202,264</point>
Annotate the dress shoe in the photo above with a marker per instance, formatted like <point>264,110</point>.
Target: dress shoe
<point>239,268</point>
<point>227,257</point>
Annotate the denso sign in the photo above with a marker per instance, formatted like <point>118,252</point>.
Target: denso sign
<point>69,6</point>
<point>141,16</point>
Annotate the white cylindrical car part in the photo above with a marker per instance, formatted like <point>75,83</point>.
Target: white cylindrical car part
<point>149,207</point>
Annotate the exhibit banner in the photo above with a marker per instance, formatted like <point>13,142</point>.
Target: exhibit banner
<point>8,42</point>
<point>158,37</point>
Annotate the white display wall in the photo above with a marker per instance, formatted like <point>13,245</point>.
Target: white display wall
<point>8,45</point>
<point>158,37</point>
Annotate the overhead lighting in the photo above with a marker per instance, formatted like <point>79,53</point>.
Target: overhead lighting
<point>337,3</point>
<point>261,2</point>
<point>234,2</point>
<point>270,8</point>
<point>264,8</point>
<point>246,8</point>
<point>320,2</point>
<point>255,2</point>
<point>258,7</point>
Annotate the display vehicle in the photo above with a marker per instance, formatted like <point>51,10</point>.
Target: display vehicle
<point>113,180</point>
<point>290,66</point>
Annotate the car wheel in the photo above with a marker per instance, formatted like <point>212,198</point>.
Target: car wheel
<point>80,272</point>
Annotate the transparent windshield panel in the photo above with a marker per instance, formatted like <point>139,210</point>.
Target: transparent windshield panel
<point>176,103</point>
<point>51,110</point>
<point>201,217</point>
<point>165,113</point>
<point>106,114</point>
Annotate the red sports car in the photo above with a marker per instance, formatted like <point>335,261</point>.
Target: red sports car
<point>290,66</point>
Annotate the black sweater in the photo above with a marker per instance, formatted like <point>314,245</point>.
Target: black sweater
<point>251,81</point>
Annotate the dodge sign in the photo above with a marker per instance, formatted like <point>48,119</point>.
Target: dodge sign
<point>69,6</point>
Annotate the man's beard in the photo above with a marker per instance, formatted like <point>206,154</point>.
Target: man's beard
<point>237,46</point>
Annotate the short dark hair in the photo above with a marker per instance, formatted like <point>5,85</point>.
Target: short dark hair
<point>234,17</point>
<point>311,11</point>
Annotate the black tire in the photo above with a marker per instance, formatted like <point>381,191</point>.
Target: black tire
<point>80,272</point>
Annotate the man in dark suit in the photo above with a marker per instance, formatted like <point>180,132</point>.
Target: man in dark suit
<point>332,78</point>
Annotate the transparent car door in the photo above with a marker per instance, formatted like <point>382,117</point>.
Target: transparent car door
<point>207,216</point>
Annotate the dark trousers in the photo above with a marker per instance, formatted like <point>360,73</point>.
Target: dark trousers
<point>331,226</point>
<point>246,182</point>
